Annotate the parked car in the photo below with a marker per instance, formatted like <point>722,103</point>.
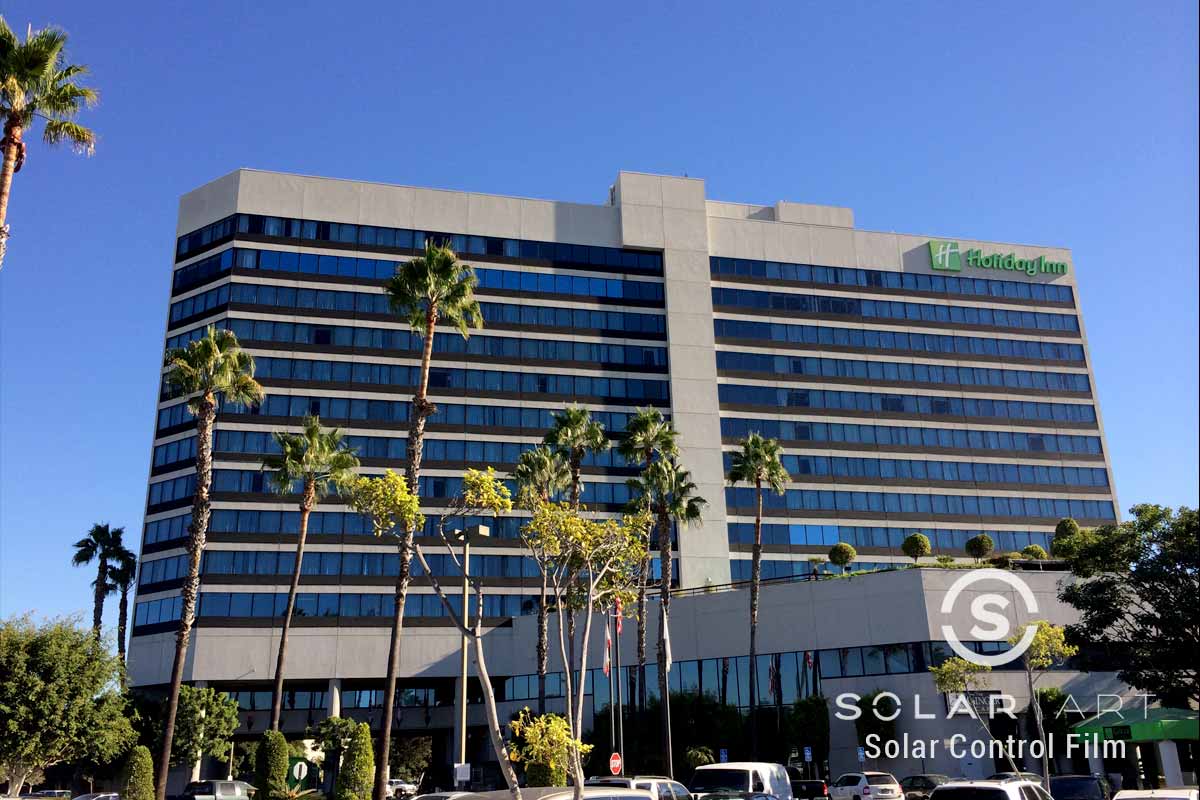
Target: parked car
<point>88,796</point>
<point>662,788</point>
<point>919,787</point>
<point>1016,776</point>
<point>399,788</point>
<point>739,796</point>
<point>1080,787</point>
<point>589,793</point>
<point>741,776</point>
<point>218,790</point>
<point>1188,793</point>
<point>63,793</point>
<point>866,786</point>
<point>1001,789</point>
<point>804,788</point>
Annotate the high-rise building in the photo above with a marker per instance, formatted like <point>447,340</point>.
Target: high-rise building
<point>916,384</point>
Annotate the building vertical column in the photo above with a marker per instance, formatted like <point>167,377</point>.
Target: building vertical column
<point>1168,757</point>
<point>671,214</point>
<point>333,698</point>
<point>452,751</point>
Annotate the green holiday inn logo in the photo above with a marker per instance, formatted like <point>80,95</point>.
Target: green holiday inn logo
<point>948,257</point>
<point>945,256</point>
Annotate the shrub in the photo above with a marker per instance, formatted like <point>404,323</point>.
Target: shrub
<point>357,776</point>
<point>698,756</point>
<point>980,547</point>
<point>1004,560</point>
<point>842,555</point>
<point>1067,538</point>
<point>545,774</point>
<point>544,743</point>
<point>137,781</point>
<point>916,546</point>
<point>945,561</point>
<point>270,767</point>
<point>1036,552</point>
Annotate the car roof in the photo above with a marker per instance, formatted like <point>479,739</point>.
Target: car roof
<point>738,765</point>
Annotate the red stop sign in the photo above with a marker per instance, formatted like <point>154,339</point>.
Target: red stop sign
<point>614,764</point>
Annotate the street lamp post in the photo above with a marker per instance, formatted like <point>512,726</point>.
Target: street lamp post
<point>472,532</point>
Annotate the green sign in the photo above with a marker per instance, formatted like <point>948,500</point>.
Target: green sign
<point>948,257</point>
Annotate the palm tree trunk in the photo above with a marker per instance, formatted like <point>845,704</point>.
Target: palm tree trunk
<point>122,622</point>
<point>12,146</point>
<point>198,535</point>
<point>664,690</point>
<point>643,581</point>
<point>576,479</point>
<point>422,408</point>
<point>100,592</point>
<point>755,585</point>
<point>543,646</point>
<point>306,506</point>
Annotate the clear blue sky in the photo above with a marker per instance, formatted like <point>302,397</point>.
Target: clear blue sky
<point>1053,123</point>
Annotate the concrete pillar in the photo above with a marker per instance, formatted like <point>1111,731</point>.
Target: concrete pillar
<point>333,698</point>
<point>452,751</point>
<point>1168,756</point>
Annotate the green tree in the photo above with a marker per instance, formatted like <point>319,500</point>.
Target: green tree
<point>874,711</point>
<point>59,698</point>
<point>431,289</point>
<point>757,462</point>
<point>333,735</point>
<point>358,767</point>
<point>1035,552</point>
<point>544,744</point>
<point>1135,592</point>
<point>204,726</point>
<point>270,767</point>
<point>666,490</point>
<point>699,756</point>
<point>210,366</point>
<point>1066,538</point>
<point>411,756</point>
<point>648,436</point>
<point>958,676</point>
<point>842,555</point>
<point>916,546</point>
<point>318,460</point>
<point>137,781</point>
<point>122,573</point>
<point>979,547</point>
<point>541,474</point>
<point>1047,649</point>
<point>808,725</point>
<point>37,82</point>
<point>574,434</point>
<point>100,545</point>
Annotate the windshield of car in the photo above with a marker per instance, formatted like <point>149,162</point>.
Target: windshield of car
<point>714,780</point>
<point>969,793</point>
<point>881,780</point>
<point>1076,789</point>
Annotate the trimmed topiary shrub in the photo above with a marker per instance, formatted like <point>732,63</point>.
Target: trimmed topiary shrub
<point>916,546</point>
<point>270,767</point>
<point>842,555</point>
<point>1036,552</point>
<point>137,780</point>
<point>980,547</point>
<point>357,776</point>
<point>945,561</point>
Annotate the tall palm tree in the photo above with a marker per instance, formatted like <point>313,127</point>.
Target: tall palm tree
<point>648,435</point>
<point>671,497</point>
<point>541,473</point>
<point>100,545</point>
<point>318,460</point>
<point>214,364</point>
<point>574,434</point>
<point>36,82</point>
<point>757,462</point>
<point>431,289</point>
<point>121,574</point>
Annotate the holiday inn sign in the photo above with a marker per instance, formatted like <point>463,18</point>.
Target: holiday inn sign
<point>947,257</point>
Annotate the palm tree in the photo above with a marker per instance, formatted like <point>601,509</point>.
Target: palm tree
<point>433,288</point>
<point>121,574</point>
<point>100,545</point>
<point>36,82</point>
<point>541,473</point>
<point>318,460</point>
<point>574,434</point>
<point>648,435</point>
<point>214,364</point>
<point>757,462</point>
<point>670,495</point>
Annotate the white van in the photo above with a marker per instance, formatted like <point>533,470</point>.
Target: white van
<point>741,776</point>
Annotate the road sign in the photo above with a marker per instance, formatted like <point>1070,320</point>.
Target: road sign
<point>614,764</point>
<point>808,754</point>
<point>462,774</point>
<point>724,756</point>
<point>862,755</point>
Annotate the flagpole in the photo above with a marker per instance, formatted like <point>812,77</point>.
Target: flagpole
<point>666,701</point>
<point>612,725</point>
<point>620,693</point>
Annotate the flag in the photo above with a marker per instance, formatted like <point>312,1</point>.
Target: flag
<point>619,616</point>
<point>666,632</point>
<point>808,662</point>
<point>607,649</point>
